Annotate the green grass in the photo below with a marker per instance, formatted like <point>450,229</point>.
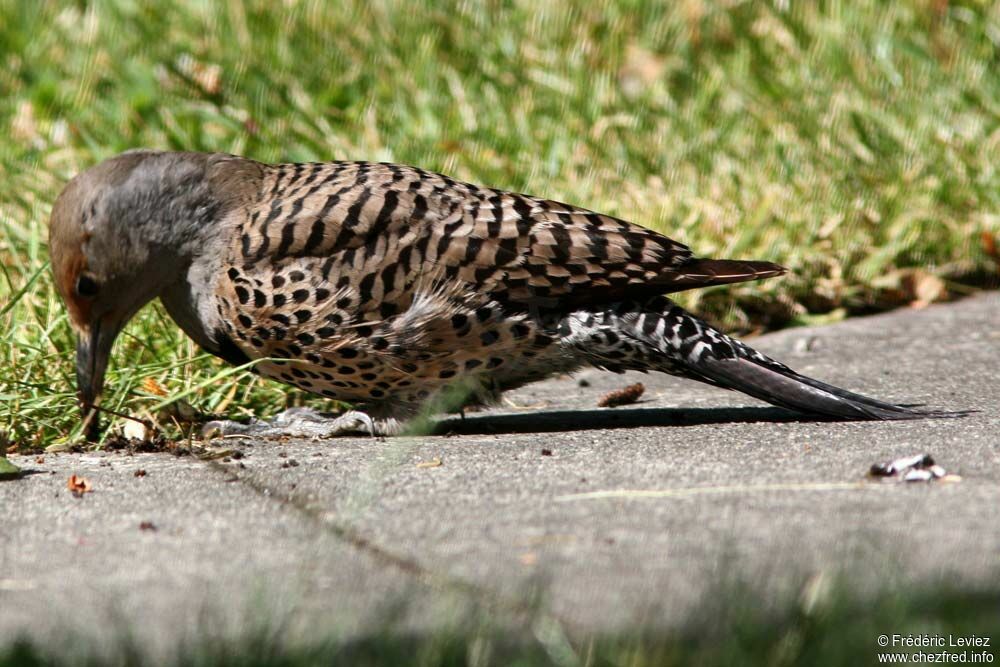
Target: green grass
<point>733,628</point>
<point>855,142</point>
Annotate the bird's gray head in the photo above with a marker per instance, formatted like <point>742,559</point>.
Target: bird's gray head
<point>119,234</point>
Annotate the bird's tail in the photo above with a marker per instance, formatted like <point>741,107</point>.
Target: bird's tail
<point>667,338</point>
<point>779,385</point>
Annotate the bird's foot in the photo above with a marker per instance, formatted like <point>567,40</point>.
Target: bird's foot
<point>301,423</point>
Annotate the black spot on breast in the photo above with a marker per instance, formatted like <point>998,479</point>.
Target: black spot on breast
<point>483,314</point>
<point>322,294</point>
<point>296,276</point>
<point>233,274</point>
<point>259,299</point>
<point>379,343</point>
<point>347,352</point>
<point>363,331</point>
<point>326,332</point>
<point>489,337</point>
<point>376,393</point>
<point>305,339</point>
<point>277,281</point>
<point>283,319</point>
<point>256,342</point>
<point>494,362</point>
<point>300,295</point>
<point>242,294</point>
<point>445,374</point>
<point>472,363</point>
<point>520,331</point>
<point>459,320</point>
<point>346,370</point>
<point>302,315</point>
<point>278,300</point>
<point>245,321</point>
<point>298,373</point>
<point>368,377</point>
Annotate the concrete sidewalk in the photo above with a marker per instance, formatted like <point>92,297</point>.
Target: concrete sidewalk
<point>331,536</point>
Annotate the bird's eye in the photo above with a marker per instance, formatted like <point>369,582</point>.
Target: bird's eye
<point>86,286</point>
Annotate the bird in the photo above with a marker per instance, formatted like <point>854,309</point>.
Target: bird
<point>392,289</point>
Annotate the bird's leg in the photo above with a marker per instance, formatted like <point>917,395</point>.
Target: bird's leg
<point>304,423</point>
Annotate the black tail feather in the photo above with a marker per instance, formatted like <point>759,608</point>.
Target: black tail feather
<point>785,388</point>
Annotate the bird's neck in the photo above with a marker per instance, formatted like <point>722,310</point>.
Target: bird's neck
<point>199,226</point>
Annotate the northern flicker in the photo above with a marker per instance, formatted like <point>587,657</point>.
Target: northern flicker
<point>383,285</point>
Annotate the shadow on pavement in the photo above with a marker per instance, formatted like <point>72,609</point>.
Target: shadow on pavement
<point>588,420</point>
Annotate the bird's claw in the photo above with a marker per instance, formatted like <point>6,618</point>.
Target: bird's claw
<point>294,423</point>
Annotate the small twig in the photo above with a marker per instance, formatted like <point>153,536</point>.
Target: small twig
<point>100,408</point>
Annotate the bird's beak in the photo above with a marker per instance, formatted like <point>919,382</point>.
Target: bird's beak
<point>93,348</point>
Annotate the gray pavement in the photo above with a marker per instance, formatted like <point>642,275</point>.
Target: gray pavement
<point>332,536</point>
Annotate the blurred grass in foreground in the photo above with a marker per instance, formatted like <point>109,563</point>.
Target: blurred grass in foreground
<point>855,142</point>
<point>734,628</point>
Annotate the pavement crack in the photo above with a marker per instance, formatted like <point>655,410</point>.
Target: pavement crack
<point>433,578</point>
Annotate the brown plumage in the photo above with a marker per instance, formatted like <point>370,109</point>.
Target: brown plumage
<point>382,285</point>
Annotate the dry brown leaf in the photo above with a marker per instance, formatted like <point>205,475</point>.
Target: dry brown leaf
<point>624,396</point>
<point>915,287</point>
<point>153,387</point>
<point>925,288</point>
<point>990,246</point>
<point>78,485</point>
